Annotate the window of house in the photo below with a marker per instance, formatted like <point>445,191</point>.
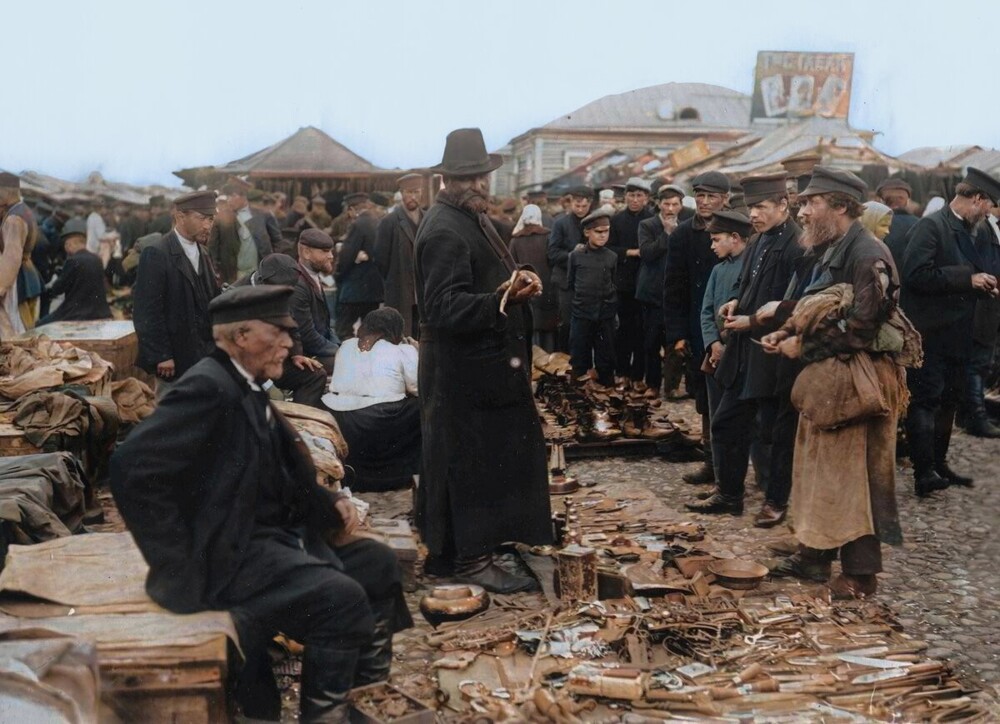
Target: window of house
<point>689,114</point>
<point>572,159</point>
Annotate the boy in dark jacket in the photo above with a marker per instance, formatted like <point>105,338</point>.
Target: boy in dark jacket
<point>591,274</point>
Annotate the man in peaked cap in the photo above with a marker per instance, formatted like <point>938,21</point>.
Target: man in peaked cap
<point>844,502</point>
<point>394,239</point>
<point>244,526</point>
<point>565,236</point>
<point>747,377</point>
<point>689,262</point>
<point>359,281</point>
<point>944,275</point>
<point>485,480</point>
<point>174,284</point>
<point>256,236</point>
<point>630,357</point>
<point>18,235</point>
<point>895,193</point>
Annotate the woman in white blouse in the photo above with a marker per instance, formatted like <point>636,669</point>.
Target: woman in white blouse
<point>373,395</point>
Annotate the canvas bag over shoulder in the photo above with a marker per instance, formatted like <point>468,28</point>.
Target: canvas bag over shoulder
<point>834,392</point>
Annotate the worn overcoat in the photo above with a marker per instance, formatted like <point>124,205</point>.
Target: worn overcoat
<point>485,479</point>
<point>394,240</point>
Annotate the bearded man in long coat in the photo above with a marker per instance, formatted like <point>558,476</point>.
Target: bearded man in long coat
<point>484,481</point>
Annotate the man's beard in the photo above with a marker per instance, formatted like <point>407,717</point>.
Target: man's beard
<point>818,233</point>
<point>473,201</point>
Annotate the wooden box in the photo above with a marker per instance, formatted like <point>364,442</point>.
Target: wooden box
<point>363,698</point>
<point>13,442</point>
<point>113,340</point>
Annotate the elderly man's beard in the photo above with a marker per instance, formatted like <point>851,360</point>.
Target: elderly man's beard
<point>473,201</point>
<point>819,232</point>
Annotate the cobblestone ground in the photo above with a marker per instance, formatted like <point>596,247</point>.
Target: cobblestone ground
<point>944,581</point>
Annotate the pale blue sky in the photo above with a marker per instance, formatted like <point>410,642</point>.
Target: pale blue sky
<point>139,89</point>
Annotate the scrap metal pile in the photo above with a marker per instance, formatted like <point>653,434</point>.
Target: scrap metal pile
<point>644,618</point>
<point>583,411</point>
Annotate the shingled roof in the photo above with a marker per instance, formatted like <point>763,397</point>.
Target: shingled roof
<point>668,105</point>
<point>307,152</point>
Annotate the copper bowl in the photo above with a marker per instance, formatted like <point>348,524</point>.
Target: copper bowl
<point>453,602</point>
<point>738,574</point>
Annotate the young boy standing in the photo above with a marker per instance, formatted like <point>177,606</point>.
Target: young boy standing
<point>591,274</point>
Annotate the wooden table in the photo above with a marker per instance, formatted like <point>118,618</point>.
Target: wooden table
<point>113,340</point>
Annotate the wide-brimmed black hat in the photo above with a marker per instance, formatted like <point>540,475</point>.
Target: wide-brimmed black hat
<point>465,155</point>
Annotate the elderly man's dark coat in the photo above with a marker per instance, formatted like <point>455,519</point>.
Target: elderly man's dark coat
<point>940,258</point>
<point>777,265</point>
<point>394,240</point>
<point>359,283</point>
<point>186,483</point>
<point>484,479</point>
<point>690,260</point>
<point>170,306</point>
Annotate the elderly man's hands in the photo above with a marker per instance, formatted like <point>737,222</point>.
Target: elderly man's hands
<point>348,513</point>
<point>526,284</point>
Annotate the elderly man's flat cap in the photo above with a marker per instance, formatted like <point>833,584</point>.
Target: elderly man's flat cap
<point>827,180</point>
<point>201,201</point>
<point>982,181</point>
<point>268,303</point>
<point>713,182</point>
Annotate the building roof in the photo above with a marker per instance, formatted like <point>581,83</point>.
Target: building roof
<point>985,159</point>
<point>307,152</point>
<point>95,186</point>
<point>666,106</point>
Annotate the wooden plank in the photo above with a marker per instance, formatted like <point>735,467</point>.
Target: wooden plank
<point>13,442</point>
<point>622,446</point>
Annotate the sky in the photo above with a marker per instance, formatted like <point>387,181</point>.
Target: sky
<point>137,90</point>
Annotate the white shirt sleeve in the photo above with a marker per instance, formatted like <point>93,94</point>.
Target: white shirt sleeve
<point>408,356</point>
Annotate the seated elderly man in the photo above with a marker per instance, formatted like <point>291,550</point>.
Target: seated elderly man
<point>221,496</point>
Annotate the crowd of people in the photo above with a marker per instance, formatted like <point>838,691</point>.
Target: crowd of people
<point>807,317</point>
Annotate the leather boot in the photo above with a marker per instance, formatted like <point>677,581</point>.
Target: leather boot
<point>375,660</point>
<point>924,446</point>
<point>801,565</point>
<point>977,421</point>
<point>926,482</point>
<point>705,475</point>
<point>327,678</point>
<point>846,587</point>
<point>718,504</point>
<point>632,421</point>
<point>482,571</point>
<point>944,470</point>
<point>769,516</point>
<point>706,494</point>
<point>943,425</point>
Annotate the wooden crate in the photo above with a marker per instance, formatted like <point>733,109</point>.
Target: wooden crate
<point>177,684</point>
<point>113,340</point>
<point>13,442</point>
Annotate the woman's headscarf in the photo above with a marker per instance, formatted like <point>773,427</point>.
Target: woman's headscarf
<point>873,214</point>
<point>531,215</point>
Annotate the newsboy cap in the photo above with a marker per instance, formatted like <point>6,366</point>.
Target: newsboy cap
<point>593,217</point>
<point>894,183</point>
<point>764,187</point>
<point>201,201</point>
<point>316,239</point>
<point>278,269</point>
<point>668,190</point>
<point>982,181</point>
<point>827,180</point>
<point>637,184</point>
<point>729,221</point>
<point>713,182</point>
<point>267,303</point>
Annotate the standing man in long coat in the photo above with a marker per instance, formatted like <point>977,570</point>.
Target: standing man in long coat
<point>359,283</point>
<point>394,240</point>
<point>175,283</point>
<point>484,481</point>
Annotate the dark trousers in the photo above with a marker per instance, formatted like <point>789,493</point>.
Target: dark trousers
<point>565,319</point>
<point>861,557</point>
<point>307,385</point>
<point>592,344</point>
<point>935,390</point>
<point>348,313</point>
<point>630,355</point>
<point>696,383</point>
<point>786,423</point>
<point>736,424</point>
<point>653,342</point>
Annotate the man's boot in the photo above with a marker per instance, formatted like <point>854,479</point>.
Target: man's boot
<point>705,475</point>
<point>375,660</point>
<point>482,571</point>
<point>943,425</point>
<point>718,504</point>
<point>632,421</point>
<point>923,444</point>
<point>327,678</point>
<point>807,564</point>
<point>977,421</point>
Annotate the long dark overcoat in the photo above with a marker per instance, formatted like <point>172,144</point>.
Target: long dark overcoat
<point>776,267</point>
<point>394,239</point>
<point>170,306</point>
<point>485,480</point>
<point>186,483</point>
<point>359,283</point>
<point>690,260</point>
